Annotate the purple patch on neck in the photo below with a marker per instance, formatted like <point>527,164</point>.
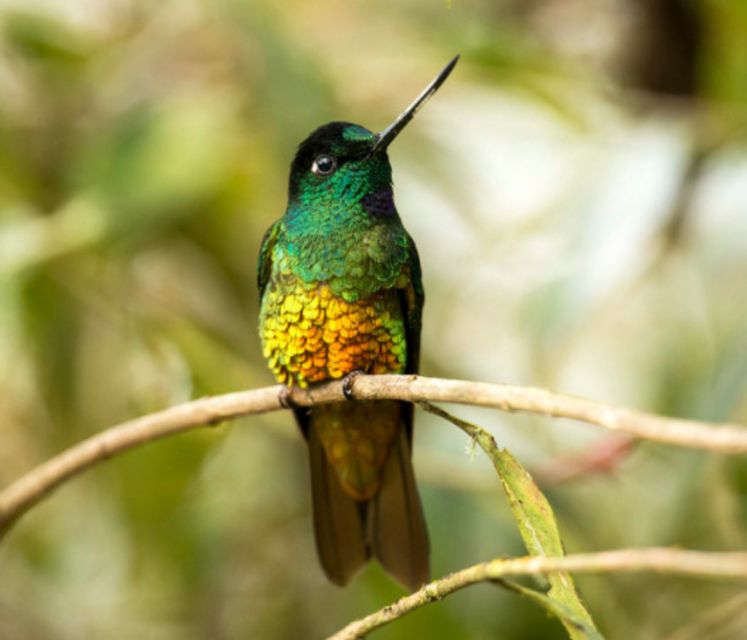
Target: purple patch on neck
<point>380,203</point>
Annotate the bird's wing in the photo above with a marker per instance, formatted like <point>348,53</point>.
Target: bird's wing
<point>264,264</point>
<point>411,299</point>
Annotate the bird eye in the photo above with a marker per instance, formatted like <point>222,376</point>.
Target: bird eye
<point>323,165</point>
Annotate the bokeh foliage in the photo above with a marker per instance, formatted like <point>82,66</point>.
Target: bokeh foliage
<point>578,192</point>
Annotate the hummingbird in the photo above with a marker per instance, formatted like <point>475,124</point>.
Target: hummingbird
<point>341,293</point>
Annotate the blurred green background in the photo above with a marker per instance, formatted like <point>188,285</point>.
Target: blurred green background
<point>578,193</point>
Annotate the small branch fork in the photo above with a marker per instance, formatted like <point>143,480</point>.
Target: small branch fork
<point>27,491</point>
<point>664,560</point>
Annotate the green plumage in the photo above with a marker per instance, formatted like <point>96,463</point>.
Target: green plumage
<point>328,234</point>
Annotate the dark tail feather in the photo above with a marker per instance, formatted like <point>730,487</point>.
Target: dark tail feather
<point>396,527</point>
<point>338,523</point>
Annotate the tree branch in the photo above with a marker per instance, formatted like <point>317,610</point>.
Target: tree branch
<point>661,560</point>
<point>23,494</point>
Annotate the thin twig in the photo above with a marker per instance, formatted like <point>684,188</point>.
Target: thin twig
<point>23,494</point>
<point>699,564</point>
<point>724,620</point>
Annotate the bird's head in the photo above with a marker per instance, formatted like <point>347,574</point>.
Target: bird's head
<point>344,163</point>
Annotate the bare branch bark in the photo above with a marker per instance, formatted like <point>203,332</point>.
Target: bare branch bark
<point>23,494</point>
<point>661,560</point>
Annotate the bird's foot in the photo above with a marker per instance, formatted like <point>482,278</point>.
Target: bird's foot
<point>347,383</point>
<point>286,398</point>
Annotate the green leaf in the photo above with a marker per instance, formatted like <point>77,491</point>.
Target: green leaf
<point>536,521</point>
<point>583,626</point>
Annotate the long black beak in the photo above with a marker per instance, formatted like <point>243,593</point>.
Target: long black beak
<point>385,138</point>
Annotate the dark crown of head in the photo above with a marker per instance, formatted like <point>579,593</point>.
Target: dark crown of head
<point>330,139</point>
